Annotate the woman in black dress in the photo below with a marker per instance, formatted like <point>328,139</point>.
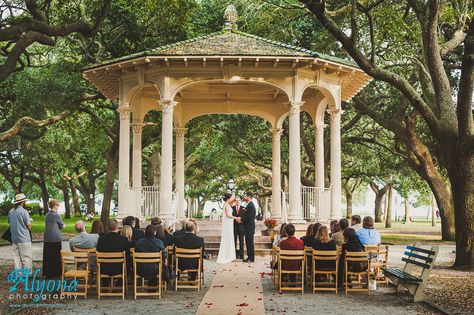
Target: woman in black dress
<point>52,241</point>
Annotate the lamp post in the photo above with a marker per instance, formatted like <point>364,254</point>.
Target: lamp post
<point>231,185</point>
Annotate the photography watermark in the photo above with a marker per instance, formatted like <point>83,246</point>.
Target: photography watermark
<point>28,286</point>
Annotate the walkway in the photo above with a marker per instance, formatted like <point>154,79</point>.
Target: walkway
<point>235,289</point>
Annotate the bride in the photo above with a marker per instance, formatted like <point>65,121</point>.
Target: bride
<point>227,247</point>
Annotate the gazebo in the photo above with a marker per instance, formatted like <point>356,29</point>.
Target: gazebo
<point>228,72</point>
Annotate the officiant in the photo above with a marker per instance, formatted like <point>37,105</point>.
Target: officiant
<point>237,210</point>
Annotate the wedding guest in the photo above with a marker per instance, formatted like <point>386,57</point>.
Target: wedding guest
<point>182,231</point>
<point>168,227</point>
<point>331,225</point>
<point>97,228</point>
<point>351,244</point>
<point>83,239</point>
<point>337,235</point>
<point>156,221</point>
<point>368,235</point>
<point>291,243</point>
<point>316,227</point>
<point>114,242</point>
<point>189,241</point>
<point>282,235</point>
<point>323,242</point>
<point>20,227</point>
<point>308,237</point>
<point>196,228</point>
<point>150,244</point>
<point>136,232</point>
<point>160,232</point>
<point>355,222</point>
<point>137,223</point>
<point>128,233</point>
<point>53,224</point>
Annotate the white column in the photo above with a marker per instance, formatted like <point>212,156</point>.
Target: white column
<point>166,172</point>
<point>276,174</point>
<point>295,211</point>
<point>124,163</point>
<point>137,129</point>
<point>180,133</point>
<point>319,169</point>
<point>335,163</point>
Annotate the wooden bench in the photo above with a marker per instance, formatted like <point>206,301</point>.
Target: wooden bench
<point>413,276</point>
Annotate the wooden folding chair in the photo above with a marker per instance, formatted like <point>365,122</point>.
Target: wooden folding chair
<point>361,258</point>
<point>170,257</point>
<point>274,262</point>
<point>291,255</point>
<point>108,258</point>
<point>153,258</point>
<point>187,283</point>
<point>378,261</point>
<point>92,262</point>
<point>325,255</point>
<point>74,259</point>
<point>308,263</point>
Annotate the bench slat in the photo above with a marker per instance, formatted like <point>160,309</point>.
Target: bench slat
<point>401,275</point>
<point>421,250</point>
<point>425,258</point>
<point>417,263</point>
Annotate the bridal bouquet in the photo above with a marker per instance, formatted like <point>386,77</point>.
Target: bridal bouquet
<point>270,223</point>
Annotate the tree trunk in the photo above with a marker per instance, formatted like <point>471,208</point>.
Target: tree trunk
<point>378,207</point>
<point>111,157</point>
<point>67,202</point>
<point>407,211</point>
<point>433,210</point>
<point>44,195</point>
<point>388,212</point>
<point>463,194</point>
<point>75,198</point>
<point>349,204</point>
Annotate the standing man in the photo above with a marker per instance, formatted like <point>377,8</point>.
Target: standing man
<point>237,211</point>
<point>20,227</point>
<point>248,222</point>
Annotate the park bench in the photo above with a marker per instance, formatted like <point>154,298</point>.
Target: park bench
<point>413,276</point>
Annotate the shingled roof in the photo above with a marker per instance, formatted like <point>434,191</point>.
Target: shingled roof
<point>230,43</point>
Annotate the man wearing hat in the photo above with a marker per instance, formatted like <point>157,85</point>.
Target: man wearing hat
<point>20,226</point>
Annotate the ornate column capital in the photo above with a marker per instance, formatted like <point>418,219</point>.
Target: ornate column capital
<point>335,114</point>
<point>124,113</point>
<point>137,127</point>
<point>294,106</point>
<point>180,132</point>
<point>319,126</point>
<point>167,105</point>
<point>276,132</point>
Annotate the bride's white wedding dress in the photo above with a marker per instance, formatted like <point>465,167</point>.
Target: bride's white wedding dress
<point>227,247</point>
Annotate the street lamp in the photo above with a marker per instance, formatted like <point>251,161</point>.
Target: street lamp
<point>231,184</point>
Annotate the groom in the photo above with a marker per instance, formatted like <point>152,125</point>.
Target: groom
<point>248,221</point>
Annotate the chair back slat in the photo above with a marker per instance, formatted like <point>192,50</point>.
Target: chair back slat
<point>113,257</point>
<point>416,263</point>
<point>425,258</point>
<point>421,250</point>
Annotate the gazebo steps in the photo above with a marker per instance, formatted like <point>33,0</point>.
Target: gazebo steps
<point>262,252</point>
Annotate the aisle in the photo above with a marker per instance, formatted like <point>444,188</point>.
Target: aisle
<point>235,289</point>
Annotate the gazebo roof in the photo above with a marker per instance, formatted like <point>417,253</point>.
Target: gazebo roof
<point>229,43</point>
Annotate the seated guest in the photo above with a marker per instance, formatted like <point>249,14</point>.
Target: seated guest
<point>156,221</point>
<point>196,228</point>
<point>282,235</point>
<point>351,244</point>
<point>291,243</point>
<point>128,232</point>
<point>114,242</point>
<point>355,222</point>
<point>97,228</point>
<point>150,244</point>
<point>137,224</point>
<point>181,232</point>
<point>83,239</point>
<point>168,227</point>
<point>368,235</point>
<point>308,238</point>
<point>159,232</point>
<point>136,232</point>
<point>189,241</point>
<point>323,242</point>
<point>316,227</point>
<point>331,225</point>
<point>336,235</point>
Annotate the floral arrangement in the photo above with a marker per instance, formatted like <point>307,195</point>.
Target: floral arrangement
<point>270,223</point>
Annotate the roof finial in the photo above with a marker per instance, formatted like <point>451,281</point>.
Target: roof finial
<point>230,15</point>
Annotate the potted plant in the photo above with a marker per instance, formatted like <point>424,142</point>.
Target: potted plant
<point>270,224</point>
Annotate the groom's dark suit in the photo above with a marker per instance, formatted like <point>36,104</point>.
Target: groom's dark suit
<point>248,221</point>
<point>238,231</point>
